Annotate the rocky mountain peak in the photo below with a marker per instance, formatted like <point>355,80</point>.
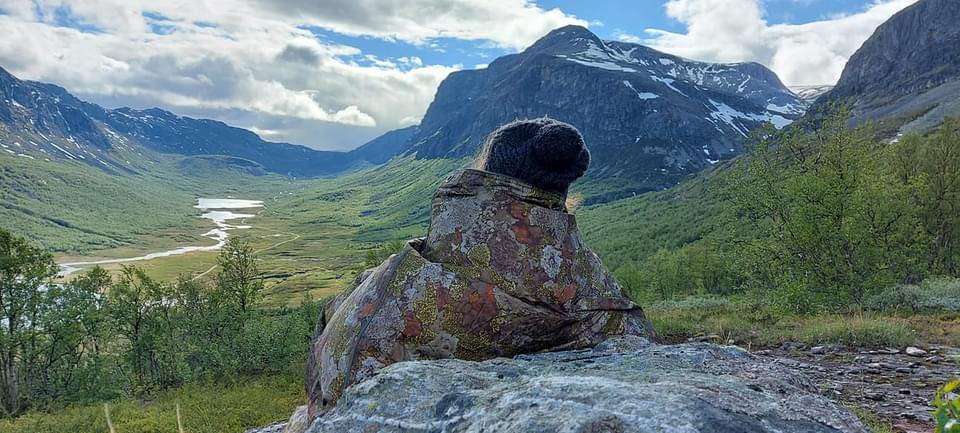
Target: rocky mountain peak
<point>649,118</point>
<point>566,40</point>
<point>918,48</point>
<point>908,70</point>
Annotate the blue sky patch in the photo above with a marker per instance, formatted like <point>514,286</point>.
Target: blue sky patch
<point>63,17</point>
<point>609,19</point>
<point>439,51</point>
<point>158,23</point>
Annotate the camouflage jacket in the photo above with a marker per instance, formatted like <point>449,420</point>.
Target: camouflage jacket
<point>503,271</point>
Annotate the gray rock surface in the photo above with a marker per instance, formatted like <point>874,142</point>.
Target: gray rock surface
<point>623,385</point>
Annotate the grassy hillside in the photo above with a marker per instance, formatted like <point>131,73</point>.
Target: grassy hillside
<point>71,208</point>
<point>630,230</point>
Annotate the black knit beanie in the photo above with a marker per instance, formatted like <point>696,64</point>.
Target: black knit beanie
<point>543,152</point>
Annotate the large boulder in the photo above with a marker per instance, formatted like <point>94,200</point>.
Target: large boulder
<point>503,271</point>
<point>622,385</point>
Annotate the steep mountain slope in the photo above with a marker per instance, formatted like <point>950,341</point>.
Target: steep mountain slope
<point>44,120</point>
<point>908,70</point>
<point>648,117</point>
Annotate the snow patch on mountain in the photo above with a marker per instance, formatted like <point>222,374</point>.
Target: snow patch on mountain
<point>729,115</point>
<point>669,83</point>
<point>641,95</point>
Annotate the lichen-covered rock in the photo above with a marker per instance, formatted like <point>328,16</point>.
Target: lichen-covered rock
<point>620,386</point>
<point>502,271</point>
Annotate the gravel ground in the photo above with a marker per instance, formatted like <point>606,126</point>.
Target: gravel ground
<point>898,385</point>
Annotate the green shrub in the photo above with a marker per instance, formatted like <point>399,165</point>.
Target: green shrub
<point>930,296</point>
<point>377,255</point>
<point>858,332</point>
<point>947,414</point>
<point>99,338</point>
<point>901,298</point>
<point>704,304</point>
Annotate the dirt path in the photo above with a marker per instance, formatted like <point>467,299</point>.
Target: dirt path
<point>897,386</point>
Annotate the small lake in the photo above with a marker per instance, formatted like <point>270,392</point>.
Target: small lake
<point>214,209</point>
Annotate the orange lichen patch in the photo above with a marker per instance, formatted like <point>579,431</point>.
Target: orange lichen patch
<point>480,307</point>
<point>518,210</point>
<point>443,297</point>
<point>457,237</point>
<point>527,234</point>
<point>411,325</point>
<point>566,293</point>
<point>473,298</point>
<point>367,309</point>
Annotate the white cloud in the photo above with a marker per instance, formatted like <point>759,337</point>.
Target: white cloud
<point>229,60</point>
<point>508,23</point>
<point>736,31</point>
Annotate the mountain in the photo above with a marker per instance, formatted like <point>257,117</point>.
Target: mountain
<point>381,149</point>
<point>650,118</point>
<point>908,70</point>
<point>44,120</point>
<point>810,94</point>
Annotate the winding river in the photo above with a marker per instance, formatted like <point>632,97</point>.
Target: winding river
<point>217,210</point>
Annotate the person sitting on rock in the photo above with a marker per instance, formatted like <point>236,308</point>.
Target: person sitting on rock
<point>502,271</point>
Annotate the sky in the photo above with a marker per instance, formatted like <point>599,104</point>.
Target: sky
<point>333,74</point>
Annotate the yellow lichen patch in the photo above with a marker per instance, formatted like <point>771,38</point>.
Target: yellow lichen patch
<point>409,266</point>
<point>614,325</point>
<point>471,347</point>
<point>479,255</point>
<point>497,323</point>
<point>336,387</point>
<point>342,338</point>
<point>425,310</point>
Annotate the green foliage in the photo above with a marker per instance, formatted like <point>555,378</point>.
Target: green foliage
<point>873,422</point>
<point>858,332</point>
<point>813,218</point>
<point>377,255</point>
<point>98,338</point>
<point>930,296</point>
<point>35,329</point>
<point>248,402</point>
<point>934,163</point>
<point>947,404</point>
<point>239,280</point>
<point>694,269</point>
<point>736,318</point>
<point>831,221</point>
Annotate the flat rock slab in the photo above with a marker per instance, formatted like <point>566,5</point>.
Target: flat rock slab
<point>624,385</point>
